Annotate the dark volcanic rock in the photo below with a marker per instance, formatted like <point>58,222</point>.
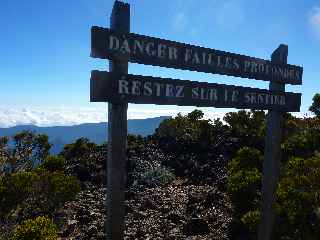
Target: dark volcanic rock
<point>176,217</point>
<point>188,208</point>
<point>153,213</point>
<point>196,226</point>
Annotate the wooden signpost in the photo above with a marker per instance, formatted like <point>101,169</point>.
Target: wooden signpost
<point>272,155</point>
<point>120,88</point>
<point>117,137</point>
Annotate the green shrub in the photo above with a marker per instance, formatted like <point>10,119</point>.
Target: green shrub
<point>298,200</point>
<point>78,149</point>
<point>244,180</point>
<point>195,146</point>
<point>24,153</point>
<point>315,107</point>
<point>298,194</point>
<point>251,220</point>
<point>29,150</point>
<point>246,159</point>
<point>15,188</point>
<point>135,144</point>
<point>3,155</point>
<point>39,228</point>
<point>244,186</point>
<point>36,192</point>
<point>50,193</point>
<point>53,163</point>
<point>64,187</point>
<point>190,134</point>
<point>247,126</point>
<point>303,144</point>
<point>84,159</point>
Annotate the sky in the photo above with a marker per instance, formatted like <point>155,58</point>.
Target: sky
<point>45,48</point>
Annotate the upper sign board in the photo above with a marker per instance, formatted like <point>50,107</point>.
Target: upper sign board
<point>110,87</point>
<point>107,44</point>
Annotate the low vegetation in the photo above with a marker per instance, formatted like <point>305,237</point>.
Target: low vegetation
<point>36,229</point>
<point>186,150</point>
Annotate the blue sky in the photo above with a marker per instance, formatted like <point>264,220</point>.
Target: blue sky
<point>45,48</point>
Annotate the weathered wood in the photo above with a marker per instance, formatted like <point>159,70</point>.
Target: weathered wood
<point>110,44</point>
<point>107,87</point>
<point>272,156</point>
<point>117,137</point>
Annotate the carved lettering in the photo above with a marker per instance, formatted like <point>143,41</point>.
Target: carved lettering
<point>170,90</point>
<point>125,49</point>
<point>226,93</point>
<point>219,63</point>
<point>147,89</point>
<point>138,45</point>
<point>113,43</point>
<point>173,53</point>
<point>162,51</point>
<point>139,89</point>
<point>213,94</point>
<point>195,58</point>
<point>235,95</point>
<point>203,94</point>
<point>195,93</point>
<point>158,88</point>
<point>236,64</point>
<point>210,59</point>
<point>247,65</point>
<point>136,88</point>
<point>188,55</point>
<point>123,87</point>
<point>150,49</point>
<point>158,52</point>
<point>179,91</point>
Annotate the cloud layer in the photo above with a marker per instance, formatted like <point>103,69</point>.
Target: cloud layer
<point>49,116</point>
<point>66,116</point>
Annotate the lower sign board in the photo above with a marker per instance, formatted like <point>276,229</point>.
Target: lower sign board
<point>109,87</point>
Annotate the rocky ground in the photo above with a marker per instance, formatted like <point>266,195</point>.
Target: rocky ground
<point>177,211</point>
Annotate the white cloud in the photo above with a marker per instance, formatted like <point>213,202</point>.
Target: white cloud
<point>50,116</point>
<point>230,15</point>
<point>314,20</point>
<point>183,11</point>
<point>180,21</point>
<point>66,116</point>
<point>148,113</point>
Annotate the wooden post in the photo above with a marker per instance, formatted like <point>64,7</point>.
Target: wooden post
<point>117,137</point>
<point>272,155</point>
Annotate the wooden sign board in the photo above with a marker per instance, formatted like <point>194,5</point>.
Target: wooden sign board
<point>108,44</point>
<point>108,87</point>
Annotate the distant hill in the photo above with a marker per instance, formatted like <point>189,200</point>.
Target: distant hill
<point>95,132</point>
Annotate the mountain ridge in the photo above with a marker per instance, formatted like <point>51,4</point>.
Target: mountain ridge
<point>95,132</point>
